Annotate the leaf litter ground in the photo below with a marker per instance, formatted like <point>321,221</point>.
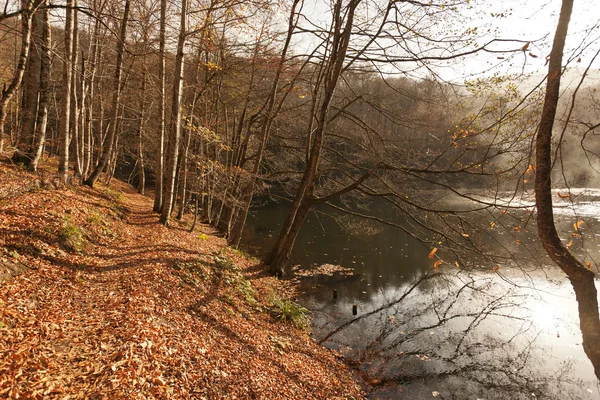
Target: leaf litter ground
<point>99,301</point>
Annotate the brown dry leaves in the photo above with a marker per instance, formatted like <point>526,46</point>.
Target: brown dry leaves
<point>120,320</point>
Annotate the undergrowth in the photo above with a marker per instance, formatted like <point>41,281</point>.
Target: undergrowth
<point>71,237</point>
<point>288,311</point>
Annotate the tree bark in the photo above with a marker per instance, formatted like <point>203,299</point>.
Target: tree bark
<point>238,228</point>
<point>109,142</point>
<point>580,277</point>
<point>159,167</point>
<point>63,163</point>
<point>42,110</point>
<point>141,128</point>
<point>31,87</point>
<point>8,91</point>
<point>175,125</point>
<point>305,199</point>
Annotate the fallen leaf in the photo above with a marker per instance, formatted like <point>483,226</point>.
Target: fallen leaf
<point>432,252</point>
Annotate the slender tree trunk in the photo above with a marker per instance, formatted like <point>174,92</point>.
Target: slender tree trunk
<point>305,197</point>
<point>63,163</point>
<point>184,175</point>
<point>175,126</point>
<point>30,89</point>
<point>75,133</point>
<point>42,111</point>
<point>160,157</point>
<point>142,174</point>
<point>108,146</point>
<point>9,91</point>
<point>236,234</point>
<point>581,278</point>
<point>81,120</point>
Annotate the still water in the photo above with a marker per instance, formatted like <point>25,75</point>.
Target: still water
<point>447,333</point>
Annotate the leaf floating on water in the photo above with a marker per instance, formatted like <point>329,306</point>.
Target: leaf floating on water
<point>465,235</point>
<point>578,224</point>
<point>530,169</point>
<point>435,393</point>
<point>492,225</point>
<point>496,268</point>
<point>588,264</point>
<point>457,264</point>
<point>517,242</point>
<point>570,244</point>
<point>526,46</point>
<point>517,228</point>
<point>432,252</point>
<point>563,196</point>
<point>437,264</point>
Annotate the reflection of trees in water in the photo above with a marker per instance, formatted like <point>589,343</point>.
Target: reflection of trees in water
<point>458,335</point>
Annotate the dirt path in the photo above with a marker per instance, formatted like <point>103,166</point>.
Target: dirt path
<point>128,309</point>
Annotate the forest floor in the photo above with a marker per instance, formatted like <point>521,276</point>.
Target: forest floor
<point>100,301</point>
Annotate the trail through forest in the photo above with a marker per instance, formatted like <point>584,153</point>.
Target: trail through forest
<point>99,300</point>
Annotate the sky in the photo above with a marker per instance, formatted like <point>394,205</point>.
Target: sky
<point>533,20</point>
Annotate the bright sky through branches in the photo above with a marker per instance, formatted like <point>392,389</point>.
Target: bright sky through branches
<point>522,21</point>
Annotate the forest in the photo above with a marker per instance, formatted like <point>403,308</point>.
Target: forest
<point>427,118</point>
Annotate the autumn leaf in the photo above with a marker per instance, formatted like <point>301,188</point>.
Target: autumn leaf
<point>496,268</point>
<point>524,48</point>
<point>517,228</point>
<point>492,225</point>
<point>457,264</point>
<point>564,196</point>
<point>570,244</point>
<point>530,169</point>
<point>517,242</point>
<point>532,55</point>
<point>465,235</point>
<point>588,264</point>
<point>578,224</point>
<point>437,264</point>
<point>432,252</point>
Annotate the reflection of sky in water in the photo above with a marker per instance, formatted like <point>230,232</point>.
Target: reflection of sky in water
<point>496,340</point>
<point>522,340</point>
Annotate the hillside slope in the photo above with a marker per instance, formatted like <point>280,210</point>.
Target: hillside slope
<point>100,301</point>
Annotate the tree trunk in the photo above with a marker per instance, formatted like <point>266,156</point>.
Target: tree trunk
<point>108,146</point>
<point>175,125</point>
<point>10,90</point>
<point>75,133</point>
<point>159,173</point>
<point>185,166</point>
<point>305,197</point>
<point>65,118</point>
<point>31,88</point>
<point>42,111</point>
<point>142,174</point>
<point>581,278</point>
<point>238,228</point>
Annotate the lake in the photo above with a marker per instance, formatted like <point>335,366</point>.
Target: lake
<point>445,333</point>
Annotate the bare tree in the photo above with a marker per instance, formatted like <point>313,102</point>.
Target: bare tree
<point>175,125</point>
<point>582,279</point>
<point>109,142</point>
<point>28,8</point>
